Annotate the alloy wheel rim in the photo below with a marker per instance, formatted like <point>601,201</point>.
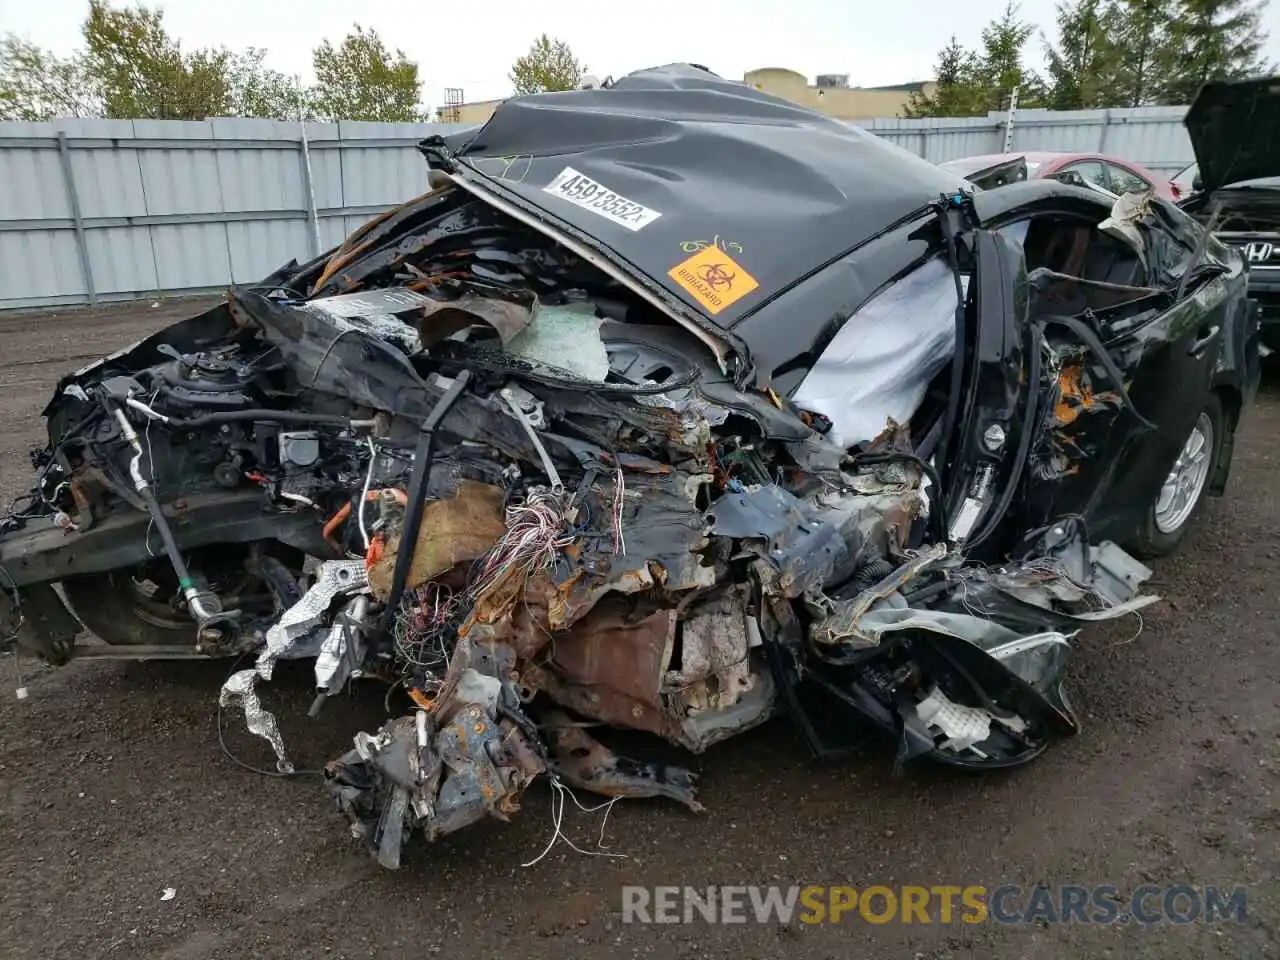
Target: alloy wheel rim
<point>1186,481</point>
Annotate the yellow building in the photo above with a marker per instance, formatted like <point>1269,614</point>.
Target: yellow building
<point>476,112</point>
<point>831,95</point>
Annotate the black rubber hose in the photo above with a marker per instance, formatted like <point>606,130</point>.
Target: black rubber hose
<point>170,544</point>
<point>870,574</point>
<point>279,416</point>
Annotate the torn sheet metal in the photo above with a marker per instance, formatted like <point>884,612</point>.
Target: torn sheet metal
<point>619,526</point>
<point>440,319</point>
<point>585,762</point>
<point>803,543</point>
<point>379,313</point>
<point>611,667</point>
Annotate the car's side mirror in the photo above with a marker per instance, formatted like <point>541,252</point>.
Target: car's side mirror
<point>1197,183</point>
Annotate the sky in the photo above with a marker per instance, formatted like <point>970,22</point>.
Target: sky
<point>472,45</point>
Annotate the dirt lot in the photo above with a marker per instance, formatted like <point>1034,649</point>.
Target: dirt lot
<point>113,788</point>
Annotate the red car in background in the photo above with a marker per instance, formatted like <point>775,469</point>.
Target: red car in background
<point>1107,173</point>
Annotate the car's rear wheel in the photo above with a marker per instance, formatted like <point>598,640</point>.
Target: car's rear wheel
<point>1180,498</point>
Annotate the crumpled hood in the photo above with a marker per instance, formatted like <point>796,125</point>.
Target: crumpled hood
<point>719,194</point>
<point>1234,127</point>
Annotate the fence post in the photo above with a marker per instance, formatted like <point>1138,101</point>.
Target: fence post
<point>73,200</point>
<point>1106,128</point>
<point>307,184</point>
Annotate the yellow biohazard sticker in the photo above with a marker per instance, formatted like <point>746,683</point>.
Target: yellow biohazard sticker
<point>713,279</point>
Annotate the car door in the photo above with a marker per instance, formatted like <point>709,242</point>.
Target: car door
<point>1167,363</point>
<point>1130,385</point>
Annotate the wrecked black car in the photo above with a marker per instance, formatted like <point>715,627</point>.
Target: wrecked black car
<point>1234,128</point>
<point>672,406</point>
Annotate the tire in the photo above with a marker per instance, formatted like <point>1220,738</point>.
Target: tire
<point>1162,531</point>
<point>108,606</point>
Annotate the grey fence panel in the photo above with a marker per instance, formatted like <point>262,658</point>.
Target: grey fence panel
<point>40,267</point>
<point>123,261</point>
<point>1151,136</point>
<point>326,165</point>
<point>115,209</point>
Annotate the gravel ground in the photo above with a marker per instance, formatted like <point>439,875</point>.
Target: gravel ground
<point>113,788</point>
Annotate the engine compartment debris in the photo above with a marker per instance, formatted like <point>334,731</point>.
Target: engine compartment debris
<point>472,454</point>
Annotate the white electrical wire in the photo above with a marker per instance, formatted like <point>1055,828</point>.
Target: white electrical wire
<point>558,790</point>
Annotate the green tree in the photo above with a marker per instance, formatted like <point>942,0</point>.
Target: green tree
<point>1082,67</point>
<point>1212,40</point>
<point>141,71</point>
<point>957,92</point>
<point>37,85</point>
<point>1000,69</point>
<point>970,83</point>
<point>256,90</point>
<point>549,65</point>
<point>130,67</point>
<point>1141,41</point>
<point>360,79</point>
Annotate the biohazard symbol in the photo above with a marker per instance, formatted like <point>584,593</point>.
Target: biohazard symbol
<point>713,279</point>
<point>717,277</point>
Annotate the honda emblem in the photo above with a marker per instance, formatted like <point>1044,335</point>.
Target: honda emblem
<point>1258,251</point>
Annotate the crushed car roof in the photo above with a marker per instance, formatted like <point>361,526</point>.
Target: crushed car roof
<point>723,195</point>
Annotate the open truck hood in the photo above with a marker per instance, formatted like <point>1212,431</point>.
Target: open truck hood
<point>1234,127</point>
<point>719,194</point>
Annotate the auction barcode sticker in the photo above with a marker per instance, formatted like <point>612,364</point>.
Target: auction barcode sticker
<point>584,192</point>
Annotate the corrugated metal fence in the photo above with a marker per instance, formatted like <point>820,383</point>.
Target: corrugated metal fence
<point>1151,136</point>
<point>97,210</point>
